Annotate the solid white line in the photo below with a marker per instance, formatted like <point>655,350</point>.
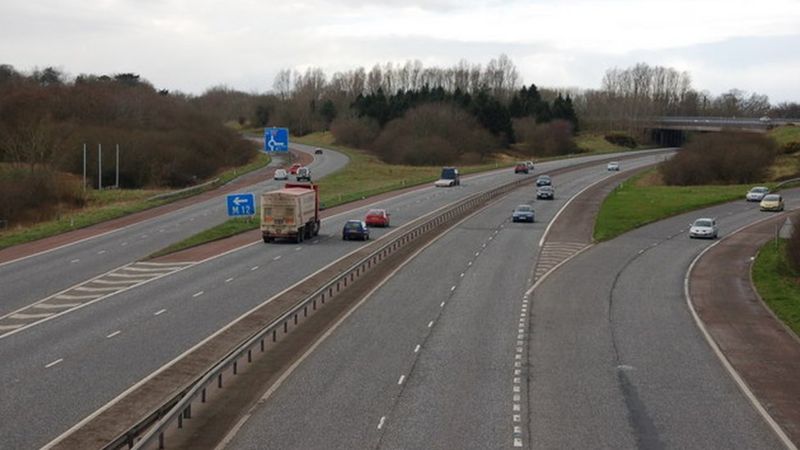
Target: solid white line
<point>402,378</point>
<point>10,327</point>
<point>55,306</point>
<point>53,363</point>
<point>159,312</point>
<point>198,294</point>
<point>114,334</point>
<point>564,207</point>
<point>23,316</point>
<point>721,356</point>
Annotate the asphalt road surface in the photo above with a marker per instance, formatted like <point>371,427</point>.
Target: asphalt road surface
<point>58,372</point>
<point>434,358</point>
<point>36,277</point>
<point>616,359</point>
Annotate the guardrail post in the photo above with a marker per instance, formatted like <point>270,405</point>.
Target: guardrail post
<point>180,420</point>
<point>235,364</point>
<point>249,356</point>
<point>305,311</point>
<point>262,345</point>
<point>160,441</point>
<point>295,319</point>
<point>274,335</point>
<point>203,396</point>
<point>219,381</point>
<point>286,326</point>
<point>187,413</point>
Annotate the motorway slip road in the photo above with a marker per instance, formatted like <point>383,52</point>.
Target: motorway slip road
<point>764,352</point>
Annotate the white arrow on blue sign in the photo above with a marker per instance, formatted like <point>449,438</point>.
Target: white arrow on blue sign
<point>241,204</point>
<point>276,140</point>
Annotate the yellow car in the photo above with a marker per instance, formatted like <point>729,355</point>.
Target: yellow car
<point>772,202</point>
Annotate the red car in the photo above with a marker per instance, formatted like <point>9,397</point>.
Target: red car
<point>377,218</point>
<point>293,169</point>
<point>521,168</point>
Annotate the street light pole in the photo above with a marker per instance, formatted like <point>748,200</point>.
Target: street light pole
<point>84,166</point>
<point>116,185</point>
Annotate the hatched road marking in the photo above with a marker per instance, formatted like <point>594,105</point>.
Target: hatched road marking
<point>108,284</point>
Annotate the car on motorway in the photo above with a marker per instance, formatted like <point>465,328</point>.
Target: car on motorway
<point>281,174</point>
<point>544,180</point>
<point>317,151</point>
<point>293,169</point>
<point>756,194</point>
<point>355,229</point>
<point>765,119</point>
<point>704,227</point>
<point>613,166</point>
<point>545,193</point>
<point>529,164</point>
<point>771,202</point>
<point>377,218</point>
<point>522,213</point>
<point>449,178</point>
<point>304,174</point>
<point>521,168</point>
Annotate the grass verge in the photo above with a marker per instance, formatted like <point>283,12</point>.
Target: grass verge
<point>777,283</point>
<point>112,204</point>
<point>230,228</point>
<point>638,202</point>
<point>783,135</point>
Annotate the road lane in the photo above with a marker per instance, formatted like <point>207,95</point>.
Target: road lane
<point>617,360</point>
<point>23,281</point>
<point>457,360</point>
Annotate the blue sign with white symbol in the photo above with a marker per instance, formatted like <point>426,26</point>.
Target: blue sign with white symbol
<point>241,205</point>
<point>276,140</point>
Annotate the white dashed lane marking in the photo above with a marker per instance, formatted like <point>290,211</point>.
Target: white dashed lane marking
<point>382,421</point>
<point>114,334</point>
<point>198,294</point>
<point>159,312</point>
<point>58,361</point>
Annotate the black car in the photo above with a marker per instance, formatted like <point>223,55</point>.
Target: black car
<point>318,151</point>
<point>544,180</point>
<point>355,229</point>
<point>545,192</point>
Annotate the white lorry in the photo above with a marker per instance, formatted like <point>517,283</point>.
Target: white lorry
<point>290,213</point>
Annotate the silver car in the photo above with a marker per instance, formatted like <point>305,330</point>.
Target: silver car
<point>704,228</point>
<point>757,194</point>
<point>522,213</point>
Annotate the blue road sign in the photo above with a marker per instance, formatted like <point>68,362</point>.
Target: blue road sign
<point>276,140</point>
<point>241,204</point>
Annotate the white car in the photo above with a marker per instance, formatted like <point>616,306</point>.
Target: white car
<point>704,228</point>
<point>281,174</point>
<point>529,164</point>
<point>445,183</point>
<point>757,194</point>
<point>613,166</point>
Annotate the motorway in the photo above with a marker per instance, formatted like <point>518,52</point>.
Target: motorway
<point>30,279</point>
<point>432,358</point>
<point>64,369</point>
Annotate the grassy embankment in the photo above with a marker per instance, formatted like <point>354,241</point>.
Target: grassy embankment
<point>645,199</point>
<point>777,283</point>
<point>111,204</point>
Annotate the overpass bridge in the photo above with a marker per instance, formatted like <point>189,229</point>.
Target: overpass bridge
<point>672,131</point>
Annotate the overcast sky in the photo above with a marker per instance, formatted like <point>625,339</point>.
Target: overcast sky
<point>193,45</point>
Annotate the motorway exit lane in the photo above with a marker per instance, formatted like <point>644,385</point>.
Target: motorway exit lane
<point>616,357</point>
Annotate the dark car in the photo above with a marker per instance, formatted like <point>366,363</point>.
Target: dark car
<point>521,168</point>
<point>522,213</point>
<point>545,192</point>
<point>544,180</point>
<point>317,151</point>
<point>355,229</point>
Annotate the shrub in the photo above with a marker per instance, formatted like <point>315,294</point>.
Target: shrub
<point>621,139</point>
<point>720,158</point>
<point>547,139</point>
<point>433,134</point>
<point>354,131</point>
<point>790,147</point>
<point>32,195</point>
